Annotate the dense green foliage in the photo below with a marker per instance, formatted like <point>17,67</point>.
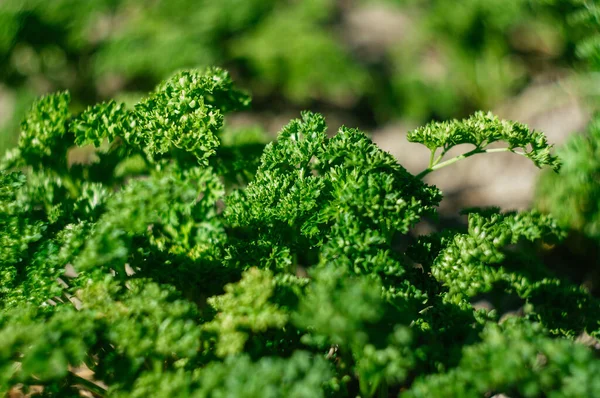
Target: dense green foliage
<point>187,259</point>
<point>573,196</point>
<point>432,59</point>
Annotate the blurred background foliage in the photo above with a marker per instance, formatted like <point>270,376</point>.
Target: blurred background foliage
<point>366,62</point>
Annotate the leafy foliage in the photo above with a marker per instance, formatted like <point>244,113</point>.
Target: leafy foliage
<point>154,269</point>
<point>482,130</point>
<point>573,196</point>
<point>516,360</point>
<point>439,60</point>
<point>472,55</point>
<point>583,17</point>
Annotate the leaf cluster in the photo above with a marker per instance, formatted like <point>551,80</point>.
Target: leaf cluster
<point>155,269</point>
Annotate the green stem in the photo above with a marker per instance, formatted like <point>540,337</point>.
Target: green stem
<point>437,160</point>
<point>383,390</point>
<point>432,158</point>
<point>90,385</point>
<point>465,155</point>
<point>71,185</point>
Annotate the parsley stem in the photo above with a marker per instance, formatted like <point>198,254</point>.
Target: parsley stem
<point>434,165</point>
<point>432,158</point>
<point>71,186</point>
<point>88,384</point>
